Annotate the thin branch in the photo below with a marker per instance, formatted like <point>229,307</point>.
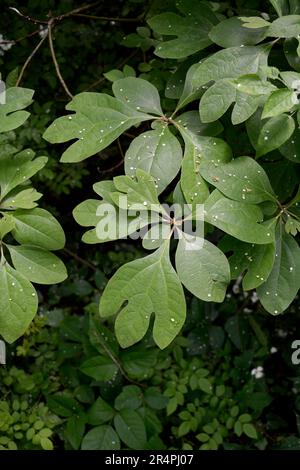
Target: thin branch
<point>30,58</point>
<point>27,17</point>
<point>76,10</point>
<point>112,168</point>
<point>108,18</point>
<point>121,150</point>
<point>78,258</point>
<point>14,41</point>
<point>116,361</point>
<point>63,83</point>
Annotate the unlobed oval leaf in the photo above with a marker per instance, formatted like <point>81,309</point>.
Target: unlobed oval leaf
<point>241,179</point>
<point>18,303</point>
<point>274,133</point>
<point>37,264</point>
<point>131,429</point>
<point>38,227</point>
<point>157,152</point>
<point>101,438</point>
<point>282,285</point>
<point>202,268</point>
<point>138,94</point>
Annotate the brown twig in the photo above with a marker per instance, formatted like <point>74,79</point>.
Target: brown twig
<point>30,58</point>
<point>78,258</point>
<point>63,83</point>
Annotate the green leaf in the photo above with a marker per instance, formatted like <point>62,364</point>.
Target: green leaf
<point>7,224</point>
<point>114,75</point>
<point>205,385</point>
<point>46,443</point>
<point>75,430</point>
<point>254,22</point>
<point>216,100</point>
<point>240,220</point>
<point>191,30</point>
<point>38,227</point>
<point>252,84</point>
<point>99,120</point>
<point>184,428</point>
<point>130,398</point>
<point>138,362</point>
<point>279,102</point>
<point>292,226</point>
<point>198,149</point>
<point>244,107</point>
<point>37,264</point>
<point>156,236</point>
<point>15,100</point>
<point>149,285</point>
<point>193,186</point>
<point>100,412</point>
<point>229,63</point>
<point>189,92</point>
<point>291,79</point>
<point>155,399</point>
<point>85,213</point>
<point>131,429</point>
<point>101,337</point>
<point>291,148</point>
<point>101,438</point>
<point>282,285</point>
<point>25,199</point>
<point>18,303</point>
<point>285,27</point>
<point>158,153</point>
<point>241,179</point>
<point>254,261</point>
<point>250,430</point>
<point>202,268</point>
<point>138,94</point>
<point>189,123</point>
<point>17,169</point>
<point>231,32</point>
<point>274,133</point>
<point>62,404</point>
<point>100,368</point>
<point>141,192</point>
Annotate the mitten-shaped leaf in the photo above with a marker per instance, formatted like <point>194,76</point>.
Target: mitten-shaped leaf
<point>242,221</point>
<point>149,285</point>
<point>99,120</point>
<point>15,99</point>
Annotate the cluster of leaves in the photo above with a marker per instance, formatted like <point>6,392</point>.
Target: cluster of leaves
<point>240,196</point>
<point>35,229</point>
<point>197,393</point>
<point>25,426</point>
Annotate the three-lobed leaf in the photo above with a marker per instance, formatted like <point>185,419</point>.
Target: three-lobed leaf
<point>149,285</point>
